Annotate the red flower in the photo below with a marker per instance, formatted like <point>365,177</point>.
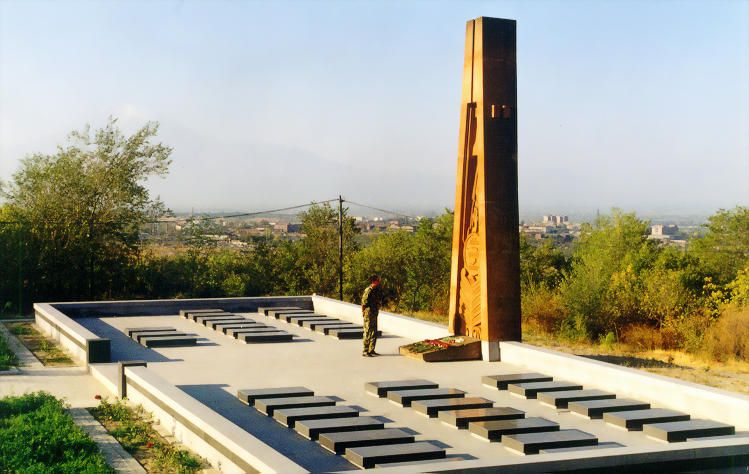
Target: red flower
<point>149,444</point>
<point>97,397</point>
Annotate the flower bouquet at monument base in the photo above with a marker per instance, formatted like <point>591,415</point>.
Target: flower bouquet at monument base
<point>444,349</point>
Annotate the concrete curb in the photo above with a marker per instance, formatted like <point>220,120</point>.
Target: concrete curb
<point>25,357</point>
<point>114,454</point>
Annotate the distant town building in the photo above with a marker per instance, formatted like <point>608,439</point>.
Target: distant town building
<point>661,230</point>
<point>556,220</point>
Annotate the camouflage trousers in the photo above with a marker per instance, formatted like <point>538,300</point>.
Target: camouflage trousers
<point>370,330</point>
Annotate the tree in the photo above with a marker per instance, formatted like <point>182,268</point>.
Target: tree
<point>724,249</point>
<point>81,209</point>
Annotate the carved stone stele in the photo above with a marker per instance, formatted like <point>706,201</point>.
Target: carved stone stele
<point>485,273</point>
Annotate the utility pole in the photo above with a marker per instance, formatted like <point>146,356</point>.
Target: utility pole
<point>340,247</point>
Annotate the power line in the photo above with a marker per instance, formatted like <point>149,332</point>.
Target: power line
<point>381,210</point>
<point>256,213</point>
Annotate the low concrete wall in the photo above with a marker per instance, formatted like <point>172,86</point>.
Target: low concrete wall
<point>699,401</point>
<point>392,323</point>
<point>83,309</point>
<point>226,446</point>
<point>82,344</point>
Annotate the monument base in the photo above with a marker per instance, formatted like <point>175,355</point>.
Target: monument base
<point>449,349</point>
<point>490,351</point>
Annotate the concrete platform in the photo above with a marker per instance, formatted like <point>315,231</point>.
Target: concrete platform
<point>249,396</point>
<point>264,337</point>
<point>270,405</point>
<point>131,331</point>
<point>405,397</point>
<point>532,389</point>
<point>381,389</point>
<point>171,341</point>
<point>289,416</point>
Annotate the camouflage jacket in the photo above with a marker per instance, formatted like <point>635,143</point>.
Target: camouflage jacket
<point>371,299</point>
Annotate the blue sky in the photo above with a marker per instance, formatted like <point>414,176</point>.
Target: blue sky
<point>642,105</point>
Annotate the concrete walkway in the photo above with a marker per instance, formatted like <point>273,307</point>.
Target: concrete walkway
<point>114,454</point>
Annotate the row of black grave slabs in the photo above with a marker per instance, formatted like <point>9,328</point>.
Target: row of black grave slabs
<point>366,442</point>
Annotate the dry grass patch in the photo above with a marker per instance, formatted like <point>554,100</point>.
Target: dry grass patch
<point>47,351</point>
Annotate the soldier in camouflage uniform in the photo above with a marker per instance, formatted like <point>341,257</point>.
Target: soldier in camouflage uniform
<point>370,307</point>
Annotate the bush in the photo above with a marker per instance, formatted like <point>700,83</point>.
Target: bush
<point>38,435</point>
<point>542,308</point>
<point>7,356</point>
<point>728,338</point>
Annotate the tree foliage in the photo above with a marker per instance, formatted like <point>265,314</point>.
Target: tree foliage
<point>724,249</point>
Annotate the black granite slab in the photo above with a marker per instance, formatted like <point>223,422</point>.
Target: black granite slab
<point>595,409</point>
<point>563,398</point>
<point>326,329</point>
<point>312,324</point>
<point>461,418</point>
<point>301,321</point>
<point>174,341</point>
<point>405,397</point>
<point>339,442</point>
<point>234,332</point>
<point>279,313</point>
<point>264,309</point>
<point>432,407</point>
<point>131,331</point>
<point>532,389</point>
<point>289,416</point>
<point>606,445</point>
<point>531,443</point>
<point>313,428</point>
<point>495,430</point>
<point>218,317</point>
<point>503,380</point>
<point>211,323</point>
<point>367,457</point>
<point>347,333</point>
<point>381,389</point>
<point>634,420</point>
<point>185,312</point>
<point>220,312</point>
<point>291,317</point>
<point>263,337</point>
<point>269,405</point>
<point>250,395</point>
<point>236,325</point>
<point>138,336</point>
<point>678,431</point>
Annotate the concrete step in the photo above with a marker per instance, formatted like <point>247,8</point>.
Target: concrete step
<point>381,389</point>
<point>532,389</point>
<point>289,416</point>
<point>501,381</point>
<point>634,420</point>
<point>405,397</point>
<point>339,442</point>
<point>431,408</point>
<point>263,337</point>
<point>367,457</point>
<point>461,418</point>
<point>531,443</point>
<point>131,331</point>
<point>677,431</point>
<point>495,430</point>
<point>270,405</point>
<point>250,395</point>
<point>563,398</point>
<point>173,341</point>
<point>595,409</point>
<point>311,429</point>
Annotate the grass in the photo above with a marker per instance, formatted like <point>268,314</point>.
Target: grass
<point>132,427</point>
<point>7,357</point>
<point>47,351</point>
<point>37,435</point>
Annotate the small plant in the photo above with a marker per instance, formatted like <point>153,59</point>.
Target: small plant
<point>7,357</point>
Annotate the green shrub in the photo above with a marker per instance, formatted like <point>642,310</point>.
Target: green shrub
<point>37,435</point>
<point>7,356</point>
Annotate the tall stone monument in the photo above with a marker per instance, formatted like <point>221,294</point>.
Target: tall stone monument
<point>485,274</point>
